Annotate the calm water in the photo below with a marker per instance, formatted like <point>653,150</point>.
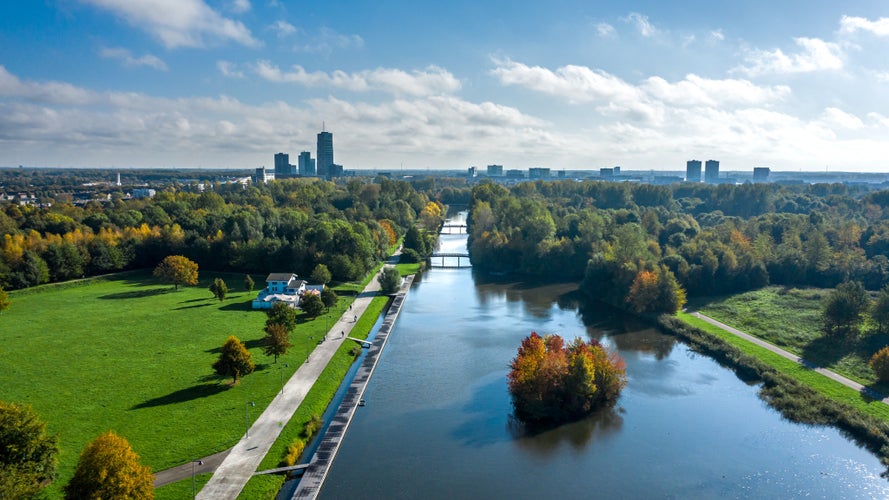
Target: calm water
<point>437,422</point>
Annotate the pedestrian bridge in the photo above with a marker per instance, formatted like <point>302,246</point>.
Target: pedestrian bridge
<point>446,260</point>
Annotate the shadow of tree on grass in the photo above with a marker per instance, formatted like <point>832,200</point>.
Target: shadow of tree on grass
<point>138,294</point>
<point>180,396</point>
<point>249,344</point>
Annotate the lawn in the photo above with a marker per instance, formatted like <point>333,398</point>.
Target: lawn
<point>131,354</point>
<point>790,319</point>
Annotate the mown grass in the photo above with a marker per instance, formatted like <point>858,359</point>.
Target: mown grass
<point>315,403</point>
<point>131,354</point>
<point>790,319</point>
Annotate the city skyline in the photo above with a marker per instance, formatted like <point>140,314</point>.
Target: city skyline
<point>566,85</point>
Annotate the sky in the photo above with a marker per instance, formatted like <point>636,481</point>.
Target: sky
<point>565,84</point>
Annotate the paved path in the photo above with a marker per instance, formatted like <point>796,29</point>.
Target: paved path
<point>180,472</point>
<point>244,458</point>
<point>793,357</point>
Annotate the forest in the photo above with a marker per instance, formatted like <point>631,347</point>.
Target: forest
<point>644,247</point>
<point>287,226</point>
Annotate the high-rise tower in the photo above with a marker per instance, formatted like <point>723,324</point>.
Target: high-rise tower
<point>711,171</point>
<point>693,171</point>
<point>325,153</point>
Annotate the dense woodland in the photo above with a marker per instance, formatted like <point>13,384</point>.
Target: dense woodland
<point>643,247</point>
<point>285,226</point>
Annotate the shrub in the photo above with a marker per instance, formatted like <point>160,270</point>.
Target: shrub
<point>879,363</point>
<point>294,451</point>
<point>312,426</point>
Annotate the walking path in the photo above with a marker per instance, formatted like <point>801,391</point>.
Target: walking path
<point>793,357</point>
<point>235,470</point>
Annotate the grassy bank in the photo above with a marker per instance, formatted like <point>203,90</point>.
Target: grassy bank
<point>790,318</point>
<point>781,388</point>
<point>128,353</point>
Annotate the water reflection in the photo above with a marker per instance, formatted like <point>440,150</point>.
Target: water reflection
<point>546,441</point>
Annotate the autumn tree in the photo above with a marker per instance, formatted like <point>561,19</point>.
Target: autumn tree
<point>311,304</point>
<point>281,314</point>
<point>321,274</point>
<point>234,360</point>
<point>4,300</point>
<point>879,363</point>
<point>109,468</point>
<point>28,455</point>
<point>656,291</point>
<point>328,297</point>
<point>390,280</point>
<point>219,289</point>
<point>178,270</point>
<point>550,381</point>
<point>276,341</point>
<point>843,309</point>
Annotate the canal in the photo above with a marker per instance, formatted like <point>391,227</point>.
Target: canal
<point>437,421</point>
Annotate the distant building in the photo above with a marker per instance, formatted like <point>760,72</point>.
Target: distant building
<point>606,172</point>
<point>335,171</point>
<point>711,171</point>
<point>144,193</point>
<point>515,174</point>
<point>761,174</point>
<point>117,183</point>
<point>693,171</point>
<point>263,176</point>
<point>616,170</point>
<point>283,168</point>
<point>472,172</point>
<point>325,153</point>
<point>561,174</point>
<point>495,170</point>
<point>306,164</point>
<point>538,173</point>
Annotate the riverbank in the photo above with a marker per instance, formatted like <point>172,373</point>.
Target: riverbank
<point>797,392</point>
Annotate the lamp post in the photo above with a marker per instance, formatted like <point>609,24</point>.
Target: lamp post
<point>281,371</point>
<point>194,484</point>
<point>247,418</point>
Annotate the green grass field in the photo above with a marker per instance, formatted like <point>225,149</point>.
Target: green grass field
<point>790,319</point>
<point>130,354</point>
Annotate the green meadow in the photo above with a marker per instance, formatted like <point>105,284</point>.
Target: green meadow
<point>131,354</point>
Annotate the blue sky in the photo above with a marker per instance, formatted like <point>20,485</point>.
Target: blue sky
<point>562,84</point>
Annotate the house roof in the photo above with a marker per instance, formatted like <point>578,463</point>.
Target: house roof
<point>295,283</point>
<point>280,277</point>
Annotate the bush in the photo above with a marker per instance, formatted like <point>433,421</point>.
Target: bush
<point>312,426</point>
<point>409,256</point>
<point>294,451</point>
<point>879,363</point>
<point>390,280</point>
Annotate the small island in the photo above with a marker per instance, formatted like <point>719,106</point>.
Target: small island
<point>553,382</point>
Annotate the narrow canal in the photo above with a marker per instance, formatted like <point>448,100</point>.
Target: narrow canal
<point>437,422</point>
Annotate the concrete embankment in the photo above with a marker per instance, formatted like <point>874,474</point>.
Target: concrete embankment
<point>313,479</point>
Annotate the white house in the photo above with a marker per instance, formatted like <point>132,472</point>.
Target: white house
<point>280,287</point>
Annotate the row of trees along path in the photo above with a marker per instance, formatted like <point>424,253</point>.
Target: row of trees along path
<point>242,460</point>
<point>793,357</point>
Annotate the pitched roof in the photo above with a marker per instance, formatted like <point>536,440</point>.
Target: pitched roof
<point>286,277</point>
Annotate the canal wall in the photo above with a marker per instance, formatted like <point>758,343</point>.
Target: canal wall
<point>313,478</point>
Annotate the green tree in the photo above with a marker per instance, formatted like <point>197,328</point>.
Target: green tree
<point>219,289</point>
<point>109,468</point>
<point>4,300</point>
<point>328,297</point>
<point>177,270</point>
<point>27,454</point>
<point>281,314</point>
<point>234,360</point>
<point>879,363</point>
<point>320,274</point>
<point>276,341</point>
<point>843,308</point>
<point>390,280</point>
<point>248,283</point>
<point>311,304</point>
<point>879,312</point>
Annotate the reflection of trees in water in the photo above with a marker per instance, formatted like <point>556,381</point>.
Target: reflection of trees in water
<point>537,298</point>
<point>545,441</point>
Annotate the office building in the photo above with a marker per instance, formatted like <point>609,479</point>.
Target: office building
<point>606,172</point>
<point>515,174</point>
<point>693,171</point>
<point>283,168</point>
<point>335,171</point>
<point>263,176</point>
<point>538,173</point>
<point>761,174</point>
<point>472,172</point>
<point>711,171</point>
<point>495,170</point>
<point>324,153</point>
<point>306,164</point>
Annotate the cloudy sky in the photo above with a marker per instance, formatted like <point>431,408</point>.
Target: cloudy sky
<point>566,84</point>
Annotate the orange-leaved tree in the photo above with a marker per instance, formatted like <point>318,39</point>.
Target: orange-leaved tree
<point>178,270</point>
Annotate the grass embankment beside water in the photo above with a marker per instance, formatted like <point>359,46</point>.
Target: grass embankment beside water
<point>128,353</point>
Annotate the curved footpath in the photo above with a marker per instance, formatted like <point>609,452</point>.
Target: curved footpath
<point>241,462</point>
<point>793,357</point>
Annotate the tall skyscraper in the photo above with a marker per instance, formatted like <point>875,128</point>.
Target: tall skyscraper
<point>711,171</point>
<point>282,165</point>
<point>693,171</point>
<point>325,153</point>
<point>306,164</point>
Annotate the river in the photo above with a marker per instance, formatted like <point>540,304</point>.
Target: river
<point>437,420</point>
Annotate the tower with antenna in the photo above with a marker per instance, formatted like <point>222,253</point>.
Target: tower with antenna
<point>325,151</point>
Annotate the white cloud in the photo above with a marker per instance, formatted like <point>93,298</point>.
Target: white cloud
<point>837,118</point>
<point>717,36</point>
<point>430,81</point>
<point>573,83</point>
<point>849,24</point>
<point>814,55</point>
<point>642,24</point>
<point>126,57</point>
<point>239,6</point>
<point>696,91</point>
<point>327,40</point>
<point>179,23</point>
<point>605,30</point>
<point>283,28</point>
<point>229,69</point>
